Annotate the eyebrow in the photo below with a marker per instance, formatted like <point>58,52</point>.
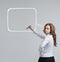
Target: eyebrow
<point>46,28</point>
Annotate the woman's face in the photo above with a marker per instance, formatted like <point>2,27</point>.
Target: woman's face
<point>47,29</point>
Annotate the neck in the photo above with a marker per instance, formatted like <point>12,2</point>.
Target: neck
<point>47,33</point>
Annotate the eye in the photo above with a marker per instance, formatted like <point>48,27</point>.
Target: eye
<point>46,28</point>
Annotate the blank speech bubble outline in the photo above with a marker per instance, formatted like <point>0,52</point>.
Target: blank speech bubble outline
<point>19,30</point>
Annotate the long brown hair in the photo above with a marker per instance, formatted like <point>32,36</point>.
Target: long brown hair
<point>52,31</point>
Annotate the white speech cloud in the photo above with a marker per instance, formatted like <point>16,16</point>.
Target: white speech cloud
<point>12,9</point>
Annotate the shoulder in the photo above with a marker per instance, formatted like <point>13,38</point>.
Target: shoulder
<point>49,37</point>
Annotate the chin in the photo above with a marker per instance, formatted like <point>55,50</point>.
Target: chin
<point>46,33</point>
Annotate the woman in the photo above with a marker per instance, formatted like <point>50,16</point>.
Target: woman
<point>49,41</point>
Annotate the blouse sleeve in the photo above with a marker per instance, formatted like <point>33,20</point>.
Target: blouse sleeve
<point>45,42</point>
<point>41,35</point>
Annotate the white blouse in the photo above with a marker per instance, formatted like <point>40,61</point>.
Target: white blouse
<point>46,47</point>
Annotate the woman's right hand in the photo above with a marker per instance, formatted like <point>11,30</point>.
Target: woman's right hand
<point>30,27</point>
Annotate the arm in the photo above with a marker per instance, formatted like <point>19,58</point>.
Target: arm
<point>41,35</point>
<point>45,42</point>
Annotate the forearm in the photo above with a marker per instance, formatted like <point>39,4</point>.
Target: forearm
<point>39,34</point>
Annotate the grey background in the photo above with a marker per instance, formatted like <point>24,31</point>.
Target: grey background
<point>24,46</point>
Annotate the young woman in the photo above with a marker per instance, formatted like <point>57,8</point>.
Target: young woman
<point>49,41</point>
